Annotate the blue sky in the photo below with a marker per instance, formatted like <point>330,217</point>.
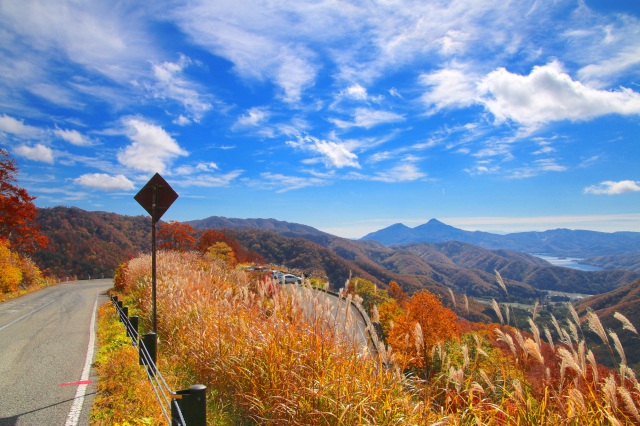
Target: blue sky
<point>346,116</point>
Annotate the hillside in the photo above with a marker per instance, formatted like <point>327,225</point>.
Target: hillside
<point>522,270</point>
<point>558,242</point>
<point>629,262</point>
<point>94,243</point>
<point>625,300</point>
<point>84,244</point>
<point>278,226</point>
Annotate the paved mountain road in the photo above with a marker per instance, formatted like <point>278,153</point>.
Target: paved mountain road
<point>46,348</point>
<point>338,314</point>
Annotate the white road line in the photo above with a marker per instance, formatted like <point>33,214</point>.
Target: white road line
<point>26,315</point>
<point>78,401</point>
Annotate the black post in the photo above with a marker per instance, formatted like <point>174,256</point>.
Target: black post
<point>192,405</point>
<point>153,255</point>
<point>125,315</point>
<point>133,333</point>
<point>149,342</point>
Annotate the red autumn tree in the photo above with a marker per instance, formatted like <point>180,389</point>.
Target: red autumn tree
<point>174,235</point>
<point>17,211</point>
<point>436,323</point>
<point>209,238</point>
<point>396,292</point>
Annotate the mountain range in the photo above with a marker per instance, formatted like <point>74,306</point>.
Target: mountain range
<point>93,244</point>
<point>557,242</point>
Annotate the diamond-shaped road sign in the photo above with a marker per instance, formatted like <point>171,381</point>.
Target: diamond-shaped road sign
<point>156,197</point>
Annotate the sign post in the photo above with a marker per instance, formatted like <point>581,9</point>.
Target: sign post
<point>155,197</point>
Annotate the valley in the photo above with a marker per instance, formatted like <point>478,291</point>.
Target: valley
<point>87,244</point>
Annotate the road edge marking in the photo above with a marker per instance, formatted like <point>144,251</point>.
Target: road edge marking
<point>27,314</point>
<point>78,400</point>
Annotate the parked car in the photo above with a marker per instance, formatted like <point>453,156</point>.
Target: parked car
<point>290,279</point>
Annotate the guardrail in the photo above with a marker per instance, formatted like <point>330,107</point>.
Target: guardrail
<point>375,338</point>
<point>186,407</point>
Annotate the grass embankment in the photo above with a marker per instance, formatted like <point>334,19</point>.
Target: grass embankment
<point>124,394</point>
<point>264,361</point>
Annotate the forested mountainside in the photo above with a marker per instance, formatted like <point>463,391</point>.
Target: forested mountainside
<point>465,268</point>
<point>278,226</point>
<point>521,269</point>
<point>628,262</point>
<point>625,300</point>
<point>94,243</point>
<point>558,242</point>
<point>84,244</point>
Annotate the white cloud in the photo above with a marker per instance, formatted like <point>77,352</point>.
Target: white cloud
<point>357,92</point>
<point>406,171</point>
<point>151,149</point>
<point>548,94</point>
<point>289,183</point>
<point>611,66</point>
<point>613,188</point>
<point>194,169</point>
<point>105,182</point>
<point>73,137</point>
<point>538,167</point>
<point>257,40</point>
<point>394,92</point>
<point>182,121</point>
<point>449,88</point>
<point>294,74</point>
<point>18,128</point>
<point>368,118</point>
<point>206,180</point>
<point>170,84</point>
<point>334,154</point>
<point>56,94</point>
<point>106,38</point>
<point>483,167</point>
<point>37,152</point>
<point>454,42</point>
<point>254,117</point>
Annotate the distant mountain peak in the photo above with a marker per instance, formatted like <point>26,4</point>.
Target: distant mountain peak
<point>435,224</point>
<point>398,226</point>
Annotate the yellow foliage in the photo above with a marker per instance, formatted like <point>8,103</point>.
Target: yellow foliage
<point>221,250</point>
<point>31,275</point>
<point>10,273</point>
<point>125,395</point>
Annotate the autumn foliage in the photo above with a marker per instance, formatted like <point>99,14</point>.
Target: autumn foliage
<point>17,211</point>
<point>19,232</point>
<point>10,273</point>
<point>175,235</point>
<point>423,324</point>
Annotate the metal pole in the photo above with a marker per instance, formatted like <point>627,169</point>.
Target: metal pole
<point>153,255</point>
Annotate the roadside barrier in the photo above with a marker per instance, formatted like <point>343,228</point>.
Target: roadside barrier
<point>374,334</point>
<point>187,407</point>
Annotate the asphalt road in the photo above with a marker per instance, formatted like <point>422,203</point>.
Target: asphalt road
<point>337,314</point>
<point>46,350</point>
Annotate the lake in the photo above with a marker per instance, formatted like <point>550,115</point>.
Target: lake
<point>568,262</point>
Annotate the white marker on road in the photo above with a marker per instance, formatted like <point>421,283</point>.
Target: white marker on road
<point>76,407</point>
